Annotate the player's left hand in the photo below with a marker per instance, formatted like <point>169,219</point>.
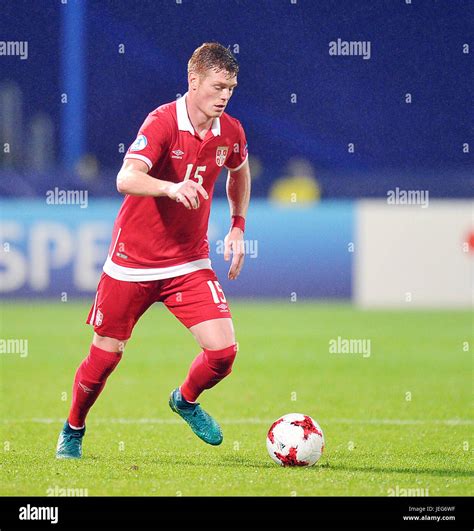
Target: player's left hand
<point>234,244</point>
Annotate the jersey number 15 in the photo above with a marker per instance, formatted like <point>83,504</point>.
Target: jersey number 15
<point>196,175</point>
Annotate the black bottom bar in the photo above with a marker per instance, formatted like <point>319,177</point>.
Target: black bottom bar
<point>304,513</point>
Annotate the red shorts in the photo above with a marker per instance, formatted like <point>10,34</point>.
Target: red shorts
<point>192,298</point>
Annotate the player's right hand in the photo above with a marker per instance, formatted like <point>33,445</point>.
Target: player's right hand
<point>187,193</point>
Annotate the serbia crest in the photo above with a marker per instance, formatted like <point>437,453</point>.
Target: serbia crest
<point>221,155</point>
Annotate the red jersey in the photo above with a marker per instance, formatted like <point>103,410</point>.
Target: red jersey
<point>155,237</point>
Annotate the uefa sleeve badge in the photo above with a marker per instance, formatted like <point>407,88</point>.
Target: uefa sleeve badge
<point>139,144</point>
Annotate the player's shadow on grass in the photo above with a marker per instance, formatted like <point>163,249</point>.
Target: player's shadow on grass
<point>224,461</point>
<point>387,470</point>
<point>231,460</point>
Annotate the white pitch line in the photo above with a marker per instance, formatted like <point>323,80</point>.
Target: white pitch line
<point>250,420</point>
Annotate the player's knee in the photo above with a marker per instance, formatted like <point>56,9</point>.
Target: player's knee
<point>109,344</point>
<point>221,361</point>
<point>215,334</point>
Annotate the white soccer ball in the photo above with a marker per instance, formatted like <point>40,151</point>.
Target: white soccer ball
<point>295,440</point>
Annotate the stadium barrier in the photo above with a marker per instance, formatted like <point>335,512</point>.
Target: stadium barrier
<point>414,255</point>
<point>57,250</point>
<point>378,254</point>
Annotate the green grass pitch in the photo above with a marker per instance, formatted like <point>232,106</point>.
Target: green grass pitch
<point>398,419</point>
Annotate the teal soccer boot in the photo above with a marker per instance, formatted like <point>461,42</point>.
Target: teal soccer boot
<point>70,443</point>
<point>202,424</point>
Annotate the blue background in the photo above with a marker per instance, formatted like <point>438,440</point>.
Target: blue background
<point>283,49</point>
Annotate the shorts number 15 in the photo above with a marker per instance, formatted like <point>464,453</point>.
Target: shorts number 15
<point>217,292</point>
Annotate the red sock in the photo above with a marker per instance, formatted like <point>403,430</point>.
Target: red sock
<point>89,382</point>
<point>207,369</point>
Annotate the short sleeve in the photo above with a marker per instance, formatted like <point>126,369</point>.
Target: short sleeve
<point>151,140</point>
<point>239,151</point>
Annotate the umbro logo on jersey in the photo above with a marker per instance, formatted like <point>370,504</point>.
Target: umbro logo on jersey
<point>85,388</point>
<point>177,154</point>
<point>223,308</point>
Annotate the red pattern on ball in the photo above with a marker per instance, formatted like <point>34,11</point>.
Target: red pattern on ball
<point>308,427</point>
<point>290,459</point>
<point>270,434</point>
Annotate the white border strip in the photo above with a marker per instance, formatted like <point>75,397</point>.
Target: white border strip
<point>91,320</point>
<point>239,166</point>
<point>132,274</point>
<point>144,159</point>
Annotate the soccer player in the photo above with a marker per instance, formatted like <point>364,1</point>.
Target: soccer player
<point>159,249</point>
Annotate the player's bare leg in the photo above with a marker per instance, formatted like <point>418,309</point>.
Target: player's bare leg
<point>105,354</point>
<point>216,337</point>
<point>214,334</point>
